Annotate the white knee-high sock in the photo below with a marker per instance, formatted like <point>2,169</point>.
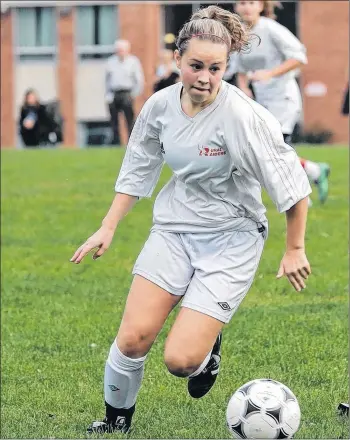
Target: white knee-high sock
<point>312,169</point>
<point>123,377</point>
<point>202,365</point>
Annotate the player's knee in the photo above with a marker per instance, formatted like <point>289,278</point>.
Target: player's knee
<point>179,364</point>
<point>133,344</point>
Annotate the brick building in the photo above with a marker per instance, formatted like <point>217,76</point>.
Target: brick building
<point>60,49</point>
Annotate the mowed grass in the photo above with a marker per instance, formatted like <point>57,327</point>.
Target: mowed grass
<point>59,319</point>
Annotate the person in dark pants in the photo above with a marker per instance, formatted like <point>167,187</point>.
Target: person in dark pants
<point>124,82</point>
<point>36,126</point>
<point>345,104</point>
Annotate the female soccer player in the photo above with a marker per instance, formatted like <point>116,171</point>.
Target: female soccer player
<point>209,221</point>
<point>271,66</point>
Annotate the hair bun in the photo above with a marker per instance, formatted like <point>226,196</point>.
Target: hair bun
<point>232,22</point>
<point>214,23</point>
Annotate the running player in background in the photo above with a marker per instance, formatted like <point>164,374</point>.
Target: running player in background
<point>271,65</point>
<point>209,221</point>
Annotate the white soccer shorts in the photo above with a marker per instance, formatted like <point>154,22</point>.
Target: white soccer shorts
<point>212,271</point>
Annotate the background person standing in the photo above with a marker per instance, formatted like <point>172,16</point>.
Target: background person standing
<point>272,65</point>
<point>124,82</point>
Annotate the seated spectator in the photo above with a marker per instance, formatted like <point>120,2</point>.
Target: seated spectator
<point>167,73</point>
<point>37,125</point>
<point>53,111</point>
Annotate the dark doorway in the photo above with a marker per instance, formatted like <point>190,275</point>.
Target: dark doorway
<point>175,16</point>
<point>228,6</point>
<point>288,15</point>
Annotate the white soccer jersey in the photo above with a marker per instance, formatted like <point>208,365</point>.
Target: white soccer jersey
<point>277,45</point>
<point>219,158</point>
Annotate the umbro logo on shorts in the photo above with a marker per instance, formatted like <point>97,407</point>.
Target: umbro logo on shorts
<point>224,306</point>
<point>113,388</point>
<point>207,151</point>
<point>162,149</point>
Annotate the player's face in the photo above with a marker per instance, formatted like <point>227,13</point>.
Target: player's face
<point>249,10</point>
<point>202,68</point>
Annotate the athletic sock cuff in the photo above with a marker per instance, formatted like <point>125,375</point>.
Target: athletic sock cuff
<point>117,359</point>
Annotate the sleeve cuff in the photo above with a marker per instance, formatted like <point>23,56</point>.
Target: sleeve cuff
<point>130,191</point>
<point>291,202</point>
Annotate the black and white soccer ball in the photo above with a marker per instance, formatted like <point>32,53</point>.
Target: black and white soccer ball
<point>263,409</point>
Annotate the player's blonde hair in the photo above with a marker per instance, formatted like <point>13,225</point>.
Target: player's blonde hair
<point>217,25</point>
<point>269,8</point>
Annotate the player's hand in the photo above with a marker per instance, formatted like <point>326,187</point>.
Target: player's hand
<point>295,267</point>
<point>100,240</point>
<point>109,98</point>
<point>260,75</point>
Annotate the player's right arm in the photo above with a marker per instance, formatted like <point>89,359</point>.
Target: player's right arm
<point>138,177</point>
<point>243,84</point>
<point>103,237</point>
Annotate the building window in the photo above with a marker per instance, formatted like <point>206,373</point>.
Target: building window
<point>36,33</point>
<point>94,133</point>
<point>96,31</point>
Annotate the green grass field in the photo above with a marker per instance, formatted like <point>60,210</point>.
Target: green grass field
<point>59,320</point>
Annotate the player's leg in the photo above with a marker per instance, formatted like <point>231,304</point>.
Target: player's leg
<point>193,350</point>
<point>225,265</point>
<point>318,173</point>
<point>155,290</point>
<point>146,310</point>
<point>128,112</point>
<point>114,109</point>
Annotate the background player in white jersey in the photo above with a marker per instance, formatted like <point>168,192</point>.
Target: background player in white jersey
<point>209,221</point>
<point>271,65</point>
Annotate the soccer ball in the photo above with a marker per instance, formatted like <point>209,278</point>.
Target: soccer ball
<point>263,408</point>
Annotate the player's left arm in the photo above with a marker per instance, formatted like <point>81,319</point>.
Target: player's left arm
<point>285,67</point>
<point>294,264</point>
<point>292,50</point>
<point>276,166</point>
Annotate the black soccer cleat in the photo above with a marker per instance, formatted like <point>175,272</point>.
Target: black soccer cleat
<point>121,422</point>
<point>343,409</point>
<point>200,385</point>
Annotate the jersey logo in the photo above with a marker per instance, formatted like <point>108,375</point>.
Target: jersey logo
<point>207,151</point>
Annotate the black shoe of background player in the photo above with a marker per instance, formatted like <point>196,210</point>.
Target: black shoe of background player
<point>200,385</point>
